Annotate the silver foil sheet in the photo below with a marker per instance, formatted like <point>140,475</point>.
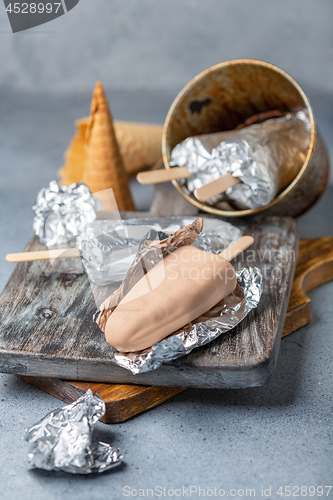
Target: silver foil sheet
<point>62,441</point>
<point>236,307</point>
<point>109,247</point>
<point>266,157</point>
<point>61,213</point>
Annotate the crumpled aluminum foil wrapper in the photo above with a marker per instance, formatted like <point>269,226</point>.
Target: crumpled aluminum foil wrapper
<point>61,441</point>
<point>237,306</point>
<point>61,213</point>
<point>109,247</point>
<point>266,157</point>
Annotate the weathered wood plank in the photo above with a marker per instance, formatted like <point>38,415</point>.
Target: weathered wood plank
<point>121,401</point>
<point>47,330</point>
<point>124,401</point>
<point>314,267</point>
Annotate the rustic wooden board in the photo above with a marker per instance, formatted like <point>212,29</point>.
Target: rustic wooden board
<point>314,267</point>
<point>47,328</point>
<point>121,401</point>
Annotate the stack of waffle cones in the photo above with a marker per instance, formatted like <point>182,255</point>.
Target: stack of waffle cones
<point>103,152</point>
<point>72,171</point>
<point>140,145</point>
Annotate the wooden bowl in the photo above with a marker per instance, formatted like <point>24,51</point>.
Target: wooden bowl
<point>224,96</point>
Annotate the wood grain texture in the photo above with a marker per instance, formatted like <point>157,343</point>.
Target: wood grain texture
<point>314,267</point>
<point>121,401</point>
<point>47,328</point>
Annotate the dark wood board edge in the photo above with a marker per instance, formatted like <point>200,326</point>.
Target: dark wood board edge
<point>121,401</point>
<point>314,268</point>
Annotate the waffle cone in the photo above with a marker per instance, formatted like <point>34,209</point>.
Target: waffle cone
<point>139,144</point>
<point>103,164</point>
<point>72,171</point>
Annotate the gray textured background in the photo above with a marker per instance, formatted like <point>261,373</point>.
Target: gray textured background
<point>149,49</point>
<point>160,45</point>
<point>144,51</point>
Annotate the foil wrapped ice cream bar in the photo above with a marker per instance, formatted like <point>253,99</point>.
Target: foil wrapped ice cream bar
<point>224,316</point>
<point>221,319</point>
<point>266,157</point>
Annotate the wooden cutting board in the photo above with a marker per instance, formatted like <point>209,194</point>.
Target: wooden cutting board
<point>314,267</point>
<point>47,328</point>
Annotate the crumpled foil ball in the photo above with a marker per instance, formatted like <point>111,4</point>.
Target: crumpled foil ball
<point>61,441</point>
<point>62,212</point>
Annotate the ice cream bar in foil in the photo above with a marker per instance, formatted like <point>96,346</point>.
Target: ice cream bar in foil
<point>225,314</point>
<point>266,157</point>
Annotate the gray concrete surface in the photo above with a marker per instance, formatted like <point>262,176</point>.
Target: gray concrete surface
<point>276,435</point>
<point>151,44</point>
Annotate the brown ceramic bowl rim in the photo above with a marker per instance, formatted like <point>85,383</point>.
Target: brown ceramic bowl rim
<point>166,155</point>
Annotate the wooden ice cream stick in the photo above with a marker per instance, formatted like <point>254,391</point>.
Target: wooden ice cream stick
<point>236,248</point>
<point>203,193</point>
<point>229,253</point>
<point>60,253</point>
<point>163,175</point>
<point>216,187</point>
